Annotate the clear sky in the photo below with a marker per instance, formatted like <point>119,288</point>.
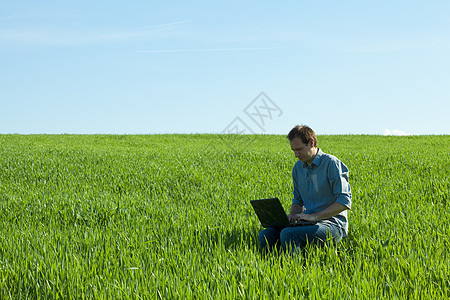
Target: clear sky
<point>134,67</point>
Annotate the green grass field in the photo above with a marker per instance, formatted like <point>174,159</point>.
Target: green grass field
<point>168,216</point>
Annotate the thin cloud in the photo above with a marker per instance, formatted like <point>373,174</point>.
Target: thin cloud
<point>400,45</point>
<point>166,24</point>
<point>201,50</point>
<point>4,18</point>
<point>69,37</point>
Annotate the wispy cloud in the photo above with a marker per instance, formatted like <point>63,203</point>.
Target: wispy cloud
<point>4,18</point>
<point>400,45</point>
<point>171,24</point>
<point>201,50</point>
<point>395,132</point>
<point>77,36</point>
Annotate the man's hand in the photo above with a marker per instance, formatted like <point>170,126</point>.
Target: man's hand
<point>296,209</point>
<point>327,213</point>
<point>302,217</point>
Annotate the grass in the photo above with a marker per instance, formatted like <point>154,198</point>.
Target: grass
<point>168,216</point>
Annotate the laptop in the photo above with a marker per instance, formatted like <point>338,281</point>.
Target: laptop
<point>271,213</point>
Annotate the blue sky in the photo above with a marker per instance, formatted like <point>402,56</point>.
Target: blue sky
<point>134,67</point>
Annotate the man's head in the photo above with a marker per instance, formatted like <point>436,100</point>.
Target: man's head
<point>303,142</point>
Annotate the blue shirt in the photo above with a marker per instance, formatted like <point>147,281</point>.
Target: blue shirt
<point>321,184</point>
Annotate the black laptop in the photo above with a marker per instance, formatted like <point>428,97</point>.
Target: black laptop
<point>271,213</point>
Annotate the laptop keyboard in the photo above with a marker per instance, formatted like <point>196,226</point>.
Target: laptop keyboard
<point>301,223</point>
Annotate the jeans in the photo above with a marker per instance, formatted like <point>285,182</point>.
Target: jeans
<point>300,236</point>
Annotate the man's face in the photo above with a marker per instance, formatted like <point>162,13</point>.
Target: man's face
<point>304,152</point>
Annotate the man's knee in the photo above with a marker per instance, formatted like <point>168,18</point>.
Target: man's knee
<point>289,238</point>
<point>269,237</point>
<point>285,235</point>
<point>263,238</point>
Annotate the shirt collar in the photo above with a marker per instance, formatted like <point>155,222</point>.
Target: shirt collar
<point>316,160</point>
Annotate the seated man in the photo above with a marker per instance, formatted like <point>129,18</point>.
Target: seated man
<point>321,194</point>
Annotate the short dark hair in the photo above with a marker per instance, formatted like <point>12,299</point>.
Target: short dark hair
<point>305,133</point>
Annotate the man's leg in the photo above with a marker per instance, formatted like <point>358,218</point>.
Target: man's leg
<point>300,236</point>
<point>269,237</point>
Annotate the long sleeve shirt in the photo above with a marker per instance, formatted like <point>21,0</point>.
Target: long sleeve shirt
<point>322,183</point>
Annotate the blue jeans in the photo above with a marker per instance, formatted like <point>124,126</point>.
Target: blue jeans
<point>300,236</point>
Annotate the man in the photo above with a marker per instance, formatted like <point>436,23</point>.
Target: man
<point>321,194</point>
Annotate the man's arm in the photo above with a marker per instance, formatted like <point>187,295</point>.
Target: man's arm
<point>327,213</point>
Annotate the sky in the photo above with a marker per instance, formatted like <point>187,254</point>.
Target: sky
<point>150,67</point>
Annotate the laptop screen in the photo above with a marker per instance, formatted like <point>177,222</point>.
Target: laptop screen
<point>270,212</point>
